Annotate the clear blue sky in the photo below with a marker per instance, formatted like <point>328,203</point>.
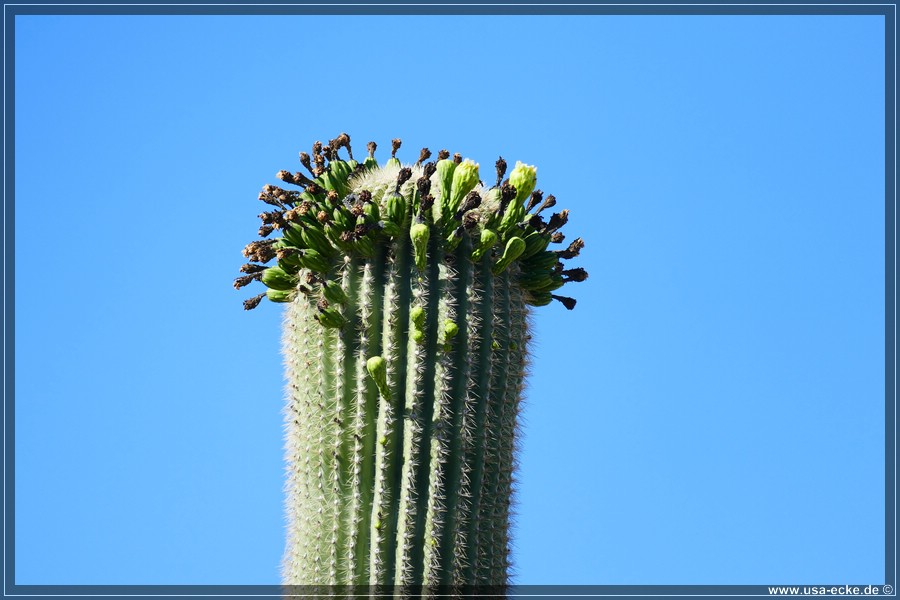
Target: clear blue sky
<point>711,412</point>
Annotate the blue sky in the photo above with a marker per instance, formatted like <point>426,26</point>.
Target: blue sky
<point>711,413</point>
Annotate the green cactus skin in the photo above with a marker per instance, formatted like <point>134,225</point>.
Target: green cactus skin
<point>405,360</point>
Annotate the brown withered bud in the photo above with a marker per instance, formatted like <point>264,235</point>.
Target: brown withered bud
<point>569,303</point>
<point>457,158</point>
<point>347,236</point>
<point>577,274</point>
<point>356,209</point>
<point>283,253</point>
<point>423,184</point>
<point>403,176</point>
<point>322,304</point>
<point>429,169</point>
<point>442,154</point>
<point>317,148</point>
<point>424,155</point>
<point>470,220</point>
<point>550,202</point>
<point>304,160</point>
<point>264,254</point>
<point>303,208</point>
<point>342,141</point>
<point>252,247</point>
<point>557,220</point>
<point>360,231</point>
<point>573,249</point>
<point>313,189</point>
<point>536,222</point>
<point>507,195</point>
<point>395,145</point>
<point>312,278</point>
<point>253,302</point>
<point>557,237</point>
<point>265,230</point>
<point>245,280</point>
<point>319,170</point>
<point>472,200</point>
<point>333,197</point>
<point>322,217</point>
<point>296,178</point>
<point>536,197</point>
<point>251,268</point>
<point>501,170</point>
<point>365,196</point>
<point>269,217</point>
<point>426,203</point>
<point>304,290</point>
<point>371,147</point>
<point>327,152</point>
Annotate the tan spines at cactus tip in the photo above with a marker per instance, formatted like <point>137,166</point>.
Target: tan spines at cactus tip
<point>405,343</point>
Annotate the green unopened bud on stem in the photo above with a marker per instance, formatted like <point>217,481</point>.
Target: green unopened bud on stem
<point>419,234</point>
<point>465,178</point>
<point>377,368</point>
<point>514,248</point>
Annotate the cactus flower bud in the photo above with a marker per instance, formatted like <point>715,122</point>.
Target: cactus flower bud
<point>377,368</point>
<point>419,234</point>
<point>445,168</point>
<point>417,314</point>
<point>514,248</point>
<point>280,295</point>
<point>278,279</point>
<point>487,241</point>
<point>450,330</point>
<point>523,178</point>
<point>465,178</point>
<point>333,292</point>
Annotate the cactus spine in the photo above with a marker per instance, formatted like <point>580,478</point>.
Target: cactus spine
<point>405,344</point>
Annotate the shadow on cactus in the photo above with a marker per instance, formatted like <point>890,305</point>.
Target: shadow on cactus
<point>405,344</point>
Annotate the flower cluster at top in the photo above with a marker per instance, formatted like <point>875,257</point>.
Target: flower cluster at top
<point>349,208</point>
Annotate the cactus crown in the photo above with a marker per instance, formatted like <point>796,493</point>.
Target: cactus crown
<point>346,209</point>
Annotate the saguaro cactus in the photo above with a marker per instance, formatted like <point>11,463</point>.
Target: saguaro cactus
<point>405,343</point>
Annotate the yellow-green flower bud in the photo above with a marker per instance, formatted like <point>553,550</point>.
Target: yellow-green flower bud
<point>278,279</point>
<point>523,178</point>
<point>419,234</point>
<point>280,295</point>
<point>514,248</point>
<point>465,178</point>
<point>487,241</point>
<point>450,330</point>
<point>445,168</point>
<point>333,292</point>
<point>417,315</point>
<point>377,368</point>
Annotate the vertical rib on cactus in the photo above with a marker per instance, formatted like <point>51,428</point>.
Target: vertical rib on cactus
<point>405,344</point>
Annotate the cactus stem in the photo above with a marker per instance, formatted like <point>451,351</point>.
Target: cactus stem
<point>346,393</point>
<point>418,433</point>
<point>386,503</point>
<point>478,398</point>
<point>456,375</point>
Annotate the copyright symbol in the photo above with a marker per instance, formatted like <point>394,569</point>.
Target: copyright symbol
<point>888,589</point>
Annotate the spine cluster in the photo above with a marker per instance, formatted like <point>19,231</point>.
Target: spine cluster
<point>405,344</point>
